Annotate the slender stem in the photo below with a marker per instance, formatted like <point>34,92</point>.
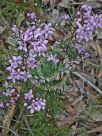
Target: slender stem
<point>87,81</point>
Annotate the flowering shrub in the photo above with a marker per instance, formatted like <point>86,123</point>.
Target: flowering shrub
<point>32,43</point>
<point>40,64</point>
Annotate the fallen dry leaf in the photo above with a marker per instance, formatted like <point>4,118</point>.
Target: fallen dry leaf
<point>91,124</point>
<point>97,129</point>
<point>66,122</point>
<point>57,35</point>
<point>64,4</point>
<point>42,17</point>
<point>69,108</point>
<point>54,3</point>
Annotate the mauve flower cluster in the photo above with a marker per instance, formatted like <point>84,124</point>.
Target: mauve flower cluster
<point>82,51</point>
<point>17,70</point>
<point>32,45</point>
<point>11,93</point>
<point>34,105</point>
<point>33,42</point>
<point>88,23</point>
<point>31,62</point>
<point>34,39</point>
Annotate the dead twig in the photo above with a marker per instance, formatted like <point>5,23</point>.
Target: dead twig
<point>88,82</point>
<point>7,120</point>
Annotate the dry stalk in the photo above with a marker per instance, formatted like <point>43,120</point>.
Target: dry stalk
<point>88,82</point>
<point>7,120</point>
